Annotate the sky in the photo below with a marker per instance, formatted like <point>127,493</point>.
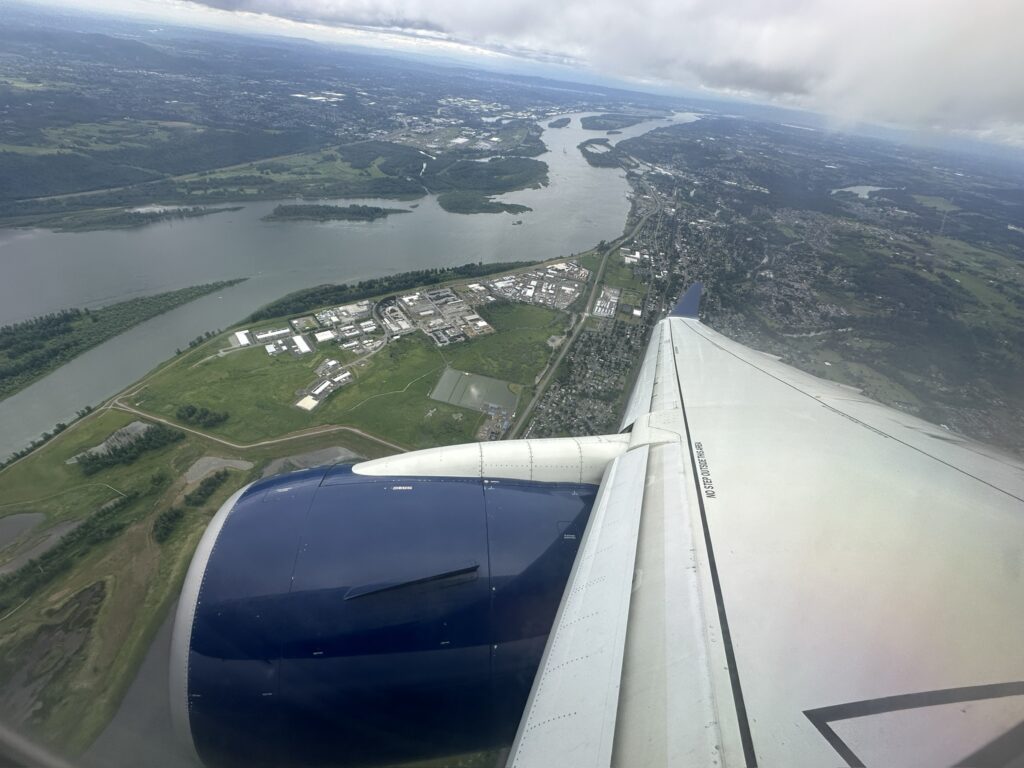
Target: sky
<point>955,66</point>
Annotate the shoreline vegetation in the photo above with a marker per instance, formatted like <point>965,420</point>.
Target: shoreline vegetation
<point>473,202</point>
<point>302,301</point>
<point>611,121</point>
<point>321,213</point>
<point>601,153</point>
<point>561,122</point>
<point>34,348</point>
<point>92,221</point>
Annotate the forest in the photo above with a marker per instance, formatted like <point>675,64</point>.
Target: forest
<point>301,212</point>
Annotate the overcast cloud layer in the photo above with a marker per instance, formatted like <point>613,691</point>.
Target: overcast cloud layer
<point>949,64</point>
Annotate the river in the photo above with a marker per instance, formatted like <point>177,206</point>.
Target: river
<point>43,271</point>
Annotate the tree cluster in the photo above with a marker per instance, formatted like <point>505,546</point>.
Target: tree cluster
<point>154,438</point>
<point>326,295</point>
<point>206,488</point>
<point>199,416</point>
<point>166,522</point>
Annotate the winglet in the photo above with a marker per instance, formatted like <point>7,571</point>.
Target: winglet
<point>689,302</point>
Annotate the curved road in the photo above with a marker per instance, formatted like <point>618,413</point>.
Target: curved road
<point>246,446</point>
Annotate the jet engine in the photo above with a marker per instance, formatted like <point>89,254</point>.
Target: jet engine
<point>390,610</point>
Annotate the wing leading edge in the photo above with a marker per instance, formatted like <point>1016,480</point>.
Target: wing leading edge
<point>818,579</point>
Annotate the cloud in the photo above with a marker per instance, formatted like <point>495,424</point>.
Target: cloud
<point>949,64</point>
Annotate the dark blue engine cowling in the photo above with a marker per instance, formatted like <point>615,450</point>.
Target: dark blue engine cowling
<point>346,619</point>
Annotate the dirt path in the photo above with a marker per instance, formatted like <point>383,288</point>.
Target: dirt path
<point>274,441</point>
<point>204,466</point>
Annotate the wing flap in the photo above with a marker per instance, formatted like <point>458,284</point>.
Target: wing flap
<point>570,716</point>
<point>677,705</point>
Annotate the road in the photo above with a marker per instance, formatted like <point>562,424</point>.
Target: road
<point>117,404</point>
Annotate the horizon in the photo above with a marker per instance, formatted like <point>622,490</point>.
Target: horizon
<point>1004,126</point>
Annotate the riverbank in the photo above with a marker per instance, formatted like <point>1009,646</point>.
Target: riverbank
<point>119,218</point>
<point>33,348</point>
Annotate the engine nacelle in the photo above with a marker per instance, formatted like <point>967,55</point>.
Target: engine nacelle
<point>330,617</point>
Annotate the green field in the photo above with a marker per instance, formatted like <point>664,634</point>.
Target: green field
<point>519,351</point>
<point>938,203</point>
<point>307,168</point>
<point>618,274</point>
<point>592,261</point>
<point>388,396</point>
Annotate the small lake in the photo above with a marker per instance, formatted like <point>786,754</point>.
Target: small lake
<point>42,271</point>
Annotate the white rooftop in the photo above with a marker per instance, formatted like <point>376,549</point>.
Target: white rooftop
<point>301,345</point>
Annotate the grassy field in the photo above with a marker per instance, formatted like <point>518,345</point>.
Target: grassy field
<point>323,165</point>
<point>592,260</point>
<point>938,203</point>
<point>99,137</point>
<point>76,640</point>
<point>618,274</point>
<point>388,396</point>
<point>117,135</point>
<point>519,351</point>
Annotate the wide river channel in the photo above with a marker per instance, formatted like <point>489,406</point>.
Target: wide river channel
<point>43,271</point>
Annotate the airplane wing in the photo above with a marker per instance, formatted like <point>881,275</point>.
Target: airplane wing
<point>782,572</point>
